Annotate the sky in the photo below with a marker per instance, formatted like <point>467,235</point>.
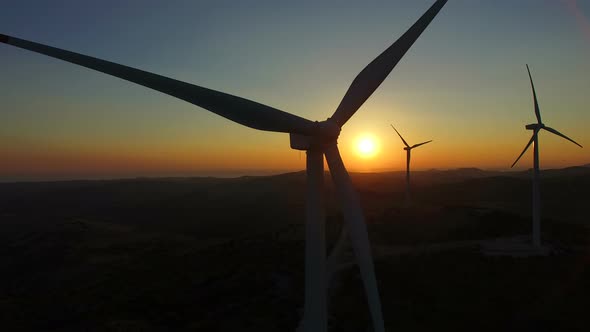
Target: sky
<point>463,84</point>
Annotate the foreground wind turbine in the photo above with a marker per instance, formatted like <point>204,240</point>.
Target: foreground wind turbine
<point>408,154</point>
<point>536,127</point>
<point>317,138</point>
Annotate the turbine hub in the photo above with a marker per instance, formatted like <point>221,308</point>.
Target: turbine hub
<point>325,133</point>
<point>328,129</point>
<point>534,126</point>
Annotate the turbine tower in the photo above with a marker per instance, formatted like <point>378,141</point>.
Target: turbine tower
<point>408,149</point>
<point>318,139</point>
<point>536,128</point>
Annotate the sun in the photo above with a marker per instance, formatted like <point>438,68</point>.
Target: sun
<point>366,146</point>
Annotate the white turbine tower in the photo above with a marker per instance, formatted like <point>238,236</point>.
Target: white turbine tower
<point>536,128</point>
<point>408,149</point>
<point>317,138</point>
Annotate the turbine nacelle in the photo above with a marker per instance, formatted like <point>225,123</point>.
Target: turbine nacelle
<point>325,133</point>
<point>535,126</point>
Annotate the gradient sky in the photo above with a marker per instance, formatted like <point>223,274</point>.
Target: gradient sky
<point>463,84</point>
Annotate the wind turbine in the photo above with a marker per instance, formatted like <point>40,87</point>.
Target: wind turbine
<point>408,149</point>
<point>316,138</point>
<point>536,128</point>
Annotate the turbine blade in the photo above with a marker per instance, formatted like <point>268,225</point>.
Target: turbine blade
<point>537,111</point>
<point>355,221</point>
<point>400,135</point>
<point>525,148</point>
<point>369,79</point>
<point>237,109</point>
<point>551,130</point>
<point>417,145</point>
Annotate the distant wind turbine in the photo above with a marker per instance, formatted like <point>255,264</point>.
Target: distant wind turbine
<point>536,128</point>
<point>408,149</point>
<point>317,138</point>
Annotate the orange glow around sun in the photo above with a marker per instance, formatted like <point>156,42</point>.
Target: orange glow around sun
<point>367,146</point>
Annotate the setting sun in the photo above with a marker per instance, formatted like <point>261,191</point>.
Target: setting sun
<point>366,146</point>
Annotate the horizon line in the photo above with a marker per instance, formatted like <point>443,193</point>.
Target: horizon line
<point>234,174</point>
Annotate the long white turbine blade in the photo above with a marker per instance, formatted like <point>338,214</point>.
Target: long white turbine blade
<point>417,145</point>
<point>537,111</point>
<point>551,130</point>
<point>237,109</point>
<point>355,221</point>
<point>400,136</point>
<point>369,79</point>
<point>336,255</point>
<point>525,148</point>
